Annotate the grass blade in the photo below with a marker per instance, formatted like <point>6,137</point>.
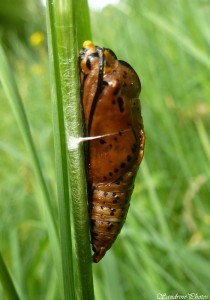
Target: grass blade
<point>11,90</point>
<point>7,281</point>
<point>63,24</point>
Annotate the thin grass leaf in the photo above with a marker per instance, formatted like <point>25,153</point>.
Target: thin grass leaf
<point>182,39</point>
<point>11,90</point>
<point>112,280</point>
<point>17,261</point>
<point>64,26</point>
<point>7,281</point>
<point>13,95</point>
<point>204,137</point>
<point>155,202</point>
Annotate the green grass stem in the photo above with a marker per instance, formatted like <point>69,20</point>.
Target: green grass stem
<point>7,281</point>
<point>63,31</point>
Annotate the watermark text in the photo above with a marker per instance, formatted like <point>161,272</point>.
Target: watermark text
<point>188,296</point>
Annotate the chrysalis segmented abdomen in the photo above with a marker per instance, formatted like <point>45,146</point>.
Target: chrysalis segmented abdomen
<point>109,211</point>
<point>109,92</point>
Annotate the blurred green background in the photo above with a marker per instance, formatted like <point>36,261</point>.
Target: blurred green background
<point>164,246</point>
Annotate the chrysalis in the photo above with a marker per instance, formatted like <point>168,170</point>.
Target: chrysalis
<point>109,93</point>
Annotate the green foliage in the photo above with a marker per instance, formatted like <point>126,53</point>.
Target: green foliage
<point>165,242</point>
<point>164,245</point>
<point>23,235</point>
<point>18,20</point>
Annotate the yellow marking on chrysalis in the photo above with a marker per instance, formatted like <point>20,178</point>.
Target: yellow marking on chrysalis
<point>90,49</point>
<point>88,45</point>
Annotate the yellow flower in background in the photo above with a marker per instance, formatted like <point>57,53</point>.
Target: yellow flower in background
<point>37,69</point>
<point>37,38</point>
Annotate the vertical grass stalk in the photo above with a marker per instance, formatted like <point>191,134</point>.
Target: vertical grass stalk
<point>65,23</point>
